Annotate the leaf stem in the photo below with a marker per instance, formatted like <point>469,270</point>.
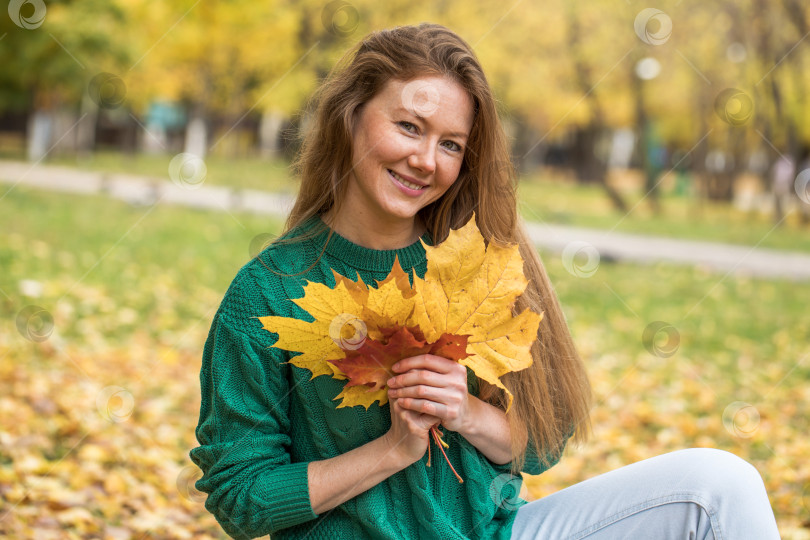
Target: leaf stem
<point>441,443</point>
<point>428,462</point>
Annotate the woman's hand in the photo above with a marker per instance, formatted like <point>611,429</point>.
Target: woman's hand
<point>432,385</point>
<point>409,435</point>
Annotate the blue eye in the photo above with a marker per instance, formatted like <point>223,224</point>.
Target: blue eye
<point>407,125</point>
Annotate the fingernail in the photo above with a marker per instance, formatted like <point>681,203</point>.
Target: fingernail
<point>390,381</point>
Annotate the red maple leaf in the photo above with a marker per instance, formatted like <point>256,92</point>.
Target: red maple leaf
<point>370,364</point>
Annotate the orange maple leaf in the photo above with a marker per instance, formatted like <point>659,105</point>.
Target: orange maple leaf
<point>469,289</point>
<point>464,301</point>
<point>370,364</point>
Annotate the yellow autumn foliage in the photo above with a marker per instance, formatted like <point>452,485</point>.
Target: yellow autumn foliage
<point>469,289</point>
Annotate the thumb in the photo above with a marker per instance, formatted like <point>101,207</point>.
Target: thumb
<point>428,421</point>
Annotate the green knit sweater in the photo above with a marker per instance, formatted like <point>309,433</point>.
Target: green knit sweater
<point>261,421</point>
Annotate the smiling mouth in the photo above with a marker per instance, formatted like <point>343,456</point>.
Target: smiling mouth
<point>405,182</point>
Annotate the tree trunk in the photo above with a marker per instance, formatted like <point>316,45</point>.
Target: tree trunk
<point>269,131</point>
<point>197,134</point>
<point>643,136</point>
<point>39,134</point>
<point>592,167</point>
<point>86,128</point>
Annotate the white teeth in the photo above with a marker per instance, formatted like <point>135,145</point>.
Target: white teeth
<point>405,182</point>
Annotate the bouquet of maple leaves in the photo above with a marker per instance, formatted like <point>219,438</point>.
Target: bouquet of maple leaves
<point>461,310</point>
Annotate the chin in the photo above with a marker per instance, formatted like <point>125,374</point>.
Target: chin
<point>401,213</point>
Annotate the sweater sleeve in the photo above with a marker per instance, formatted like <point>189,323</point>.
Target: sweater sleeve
<point>253,487</point>
<point>532,465</point>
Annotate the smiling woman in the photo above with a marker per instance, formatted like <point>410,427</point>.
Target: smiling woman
<point>406,145</point>
<point>402,161</point>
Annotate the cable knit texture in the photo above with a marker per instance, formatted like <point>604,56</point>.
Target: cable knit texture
<point>262,420</point>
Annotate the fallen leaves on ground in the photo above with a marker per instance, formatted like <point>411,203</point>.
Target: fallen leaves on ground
<point>68,469</point>
<point>95,446</point>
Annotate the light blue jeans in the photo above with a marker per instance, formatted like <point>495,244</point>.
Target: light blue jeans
<point>693,494</point>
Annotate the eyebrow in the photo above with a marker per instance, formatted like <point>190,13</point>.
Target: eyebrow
<point>458,134</point>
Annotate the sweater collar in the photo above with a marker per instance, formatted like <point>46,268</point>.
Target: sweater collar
<point>364,258</point>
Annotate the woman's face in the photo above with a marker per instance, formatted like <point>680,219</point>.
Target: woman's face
<point>413,131</point>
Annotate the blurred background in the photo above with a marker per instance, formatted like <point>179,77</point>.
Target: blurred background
<point>664,160</point>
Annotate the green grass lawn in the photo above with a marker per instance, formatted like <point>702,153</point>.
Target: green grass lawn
<point>129,286</point>
<point>124,250</point>
<point>106,256</point>
<point>547,199</point>
<point>544,196</point>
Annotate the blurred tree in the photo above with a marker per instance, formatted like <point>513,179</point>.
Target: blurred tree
<point>217,58</point>
<point>589,165</point>
<point>49,56</point>
<point>563,72</point>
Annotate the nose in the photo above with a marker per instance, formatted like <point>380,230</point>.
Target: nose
<point>423,157</point>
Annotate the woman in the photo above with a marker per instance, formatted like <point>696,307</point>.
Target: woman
<point>405,145</point>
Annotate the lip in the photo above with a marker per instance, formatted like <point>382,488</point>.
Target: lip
<point>409,179</point>
<point>404,189</point>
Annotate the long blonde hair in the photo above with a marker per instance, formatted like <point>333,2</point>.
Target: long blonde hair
<point>552,396</point>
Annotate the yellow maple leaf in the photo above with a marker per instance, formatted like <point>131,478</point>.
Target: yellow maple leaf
<point>344,317</point>
<point>330,308</point>
<point>468,289</point>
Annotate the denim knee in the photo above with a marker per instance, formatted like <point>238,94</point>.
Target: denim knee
<point>725,473</point>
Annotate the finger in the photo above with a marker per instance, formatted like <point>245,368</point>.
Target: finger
<point>432,408</point>
<point>425,361</point>
<point>429,421</point>
<point>418,376</point>
<point>421,391</point>
<point>426,421</point>
<point>444,383</point>
<point>427,377</point>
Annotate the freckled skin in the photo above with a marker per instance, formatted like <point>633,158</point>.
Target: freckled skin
<point>386,135</point>
<point>418,129</point>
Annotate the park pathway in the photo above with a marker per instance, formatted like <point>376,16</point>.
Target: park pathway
<point>582,248</point>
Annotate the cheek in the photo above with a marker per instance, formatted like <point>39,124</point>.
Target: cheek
<point>449,174</point>
<point>392,147</point>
